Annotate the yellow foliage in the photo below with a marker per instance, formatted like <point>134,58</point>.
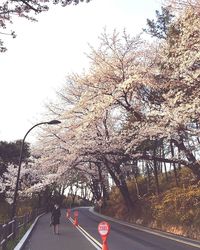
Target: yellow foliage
<point>178,206</point>
<point>176,210</point>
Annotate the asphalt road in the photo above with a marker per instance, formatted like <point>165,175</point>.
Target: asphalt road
<point>69,238</point>
<point>121,237</point>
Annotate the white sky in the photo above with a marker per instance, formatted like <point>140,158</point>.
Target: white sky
<point>44,52</point>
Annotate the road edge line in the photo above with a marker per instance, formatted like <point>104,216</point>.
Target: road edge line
<point>161,234</point>
<point>21,243</point>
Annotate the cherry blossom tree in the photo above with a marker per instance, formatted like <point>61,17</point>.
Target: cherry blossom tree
<point>179,71</point>
<point>138,102</point>
<point>94,98</point>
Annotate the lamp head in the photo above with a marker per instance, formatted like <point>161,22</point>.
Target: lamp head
<point>54,122</point>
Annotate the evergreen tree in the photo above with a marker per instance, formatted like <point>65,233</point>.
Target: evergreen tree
<point>10,152</point>
<point>161,26</point>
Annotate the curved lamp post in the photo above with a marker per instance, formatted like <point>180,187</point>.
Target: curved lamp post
<point>53,122</point>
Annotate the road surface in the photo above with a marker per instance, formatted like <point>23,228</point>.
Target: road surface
<point>69,238</point>
<point>121,237</point>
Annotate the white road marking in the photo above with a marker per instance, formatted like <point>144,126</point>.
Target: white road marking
<point>147,230</point>
<point>25,237</point>
<point>88,236</point>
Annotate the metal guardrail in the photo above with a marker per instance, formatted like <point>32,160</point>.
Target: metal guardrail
<point>10,230</point>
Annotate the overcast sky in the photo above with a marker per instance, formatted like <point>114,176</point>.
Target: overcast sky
<point>44,52</point>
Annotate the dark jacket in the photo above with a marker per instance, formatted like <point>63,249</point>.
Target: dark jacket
<point>55,216</point>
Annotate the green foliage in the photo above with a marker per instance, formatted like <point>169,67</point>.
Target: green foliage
<point>10,151</point>
<point>4,211</point>
<point>12,243</point>
<point>24,206</point>
<point>160,27</point>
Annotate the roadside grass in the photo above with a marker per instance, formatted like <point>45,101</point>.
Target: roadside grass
<point>4,211</point>
<point>12,243</point>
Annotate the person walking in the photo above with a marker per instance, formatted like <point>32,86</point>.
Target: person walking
<point>55,218</point>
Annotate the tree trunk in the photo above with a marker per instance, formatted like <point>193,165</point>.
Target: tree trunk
<point>174,165</point>
<point>120,183</point>
<point>166,175</point>
<point>148,178</point>
<point>165,166</point>
<point>156,172</point>
<point>194,165</point>
<point>104,191</point>
<point>136,186</point>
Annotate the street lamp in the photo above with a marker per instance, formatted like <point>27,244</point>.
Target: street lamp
<point>53,122</point>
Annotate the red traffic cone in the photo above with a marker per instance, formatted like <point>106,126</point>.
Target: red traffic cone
<point>68,213</point>
<point>76,218</point>
<point>76,221</point>
<point>105,245</point>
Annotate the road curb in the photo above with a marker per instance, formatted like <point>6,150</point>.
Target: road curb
<point>27,234</point>
<point>178,238</point>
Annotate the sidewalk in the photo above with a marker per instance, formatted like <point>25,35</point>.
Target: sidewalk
<point>69,238</point>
